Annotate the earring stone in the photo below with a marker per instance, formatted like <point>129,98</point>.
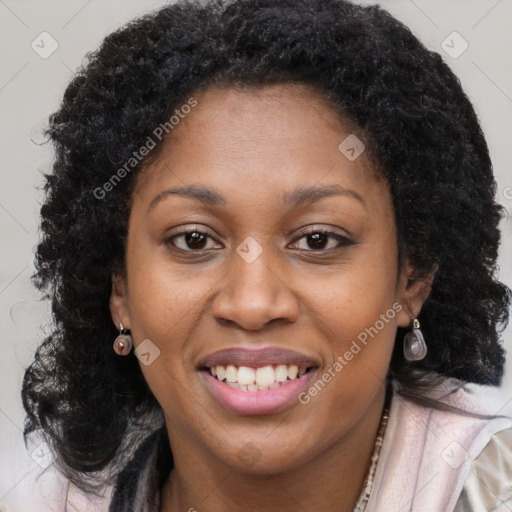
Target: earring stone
<point>123,344</point>
<point>415,347</point>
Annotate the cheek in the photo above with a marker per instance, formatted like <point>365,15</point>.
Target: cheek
<point>356,315</point>
<point>164,298</point>
<point>356,308</point>
<point>165,307</point>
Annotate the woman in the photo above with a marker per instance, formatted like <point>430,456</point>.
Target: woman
<point>270,242</point>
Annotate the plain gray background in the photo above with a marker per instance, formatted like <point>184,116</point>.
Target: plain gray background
<point>30,89</point>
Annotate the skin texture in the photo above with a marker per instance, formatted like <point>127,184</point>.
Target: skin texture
<point>253,146</point>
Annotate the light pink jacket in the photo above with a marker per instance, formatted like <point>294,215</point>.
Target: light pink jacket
<point>427,456</point>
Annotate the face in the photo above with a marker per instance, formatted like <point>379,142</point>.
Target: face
<point>259,252</point>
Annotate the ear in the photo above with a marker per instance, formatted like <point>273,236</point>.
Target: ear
<point>412,293</point>
<point>119,309</point>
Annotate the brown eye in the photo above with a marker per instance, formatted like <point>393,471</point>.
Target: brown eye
<point>317,241</point>
<point>320,240</point>
<point>195,240</point>
<point>190,241</point>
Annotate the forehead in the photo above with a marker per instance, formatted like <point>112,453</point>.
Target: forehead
<point>267,139</point>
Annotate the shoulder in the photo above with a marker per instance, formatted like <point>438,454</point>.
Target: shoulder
<point>488,487</point>
<point>429,451</point>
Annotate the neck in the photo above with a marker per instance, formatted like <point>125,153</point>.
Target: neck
<point>332,480</point>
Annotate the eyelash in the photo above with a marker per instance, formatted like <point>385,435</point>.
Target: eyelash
<point>342,240</point>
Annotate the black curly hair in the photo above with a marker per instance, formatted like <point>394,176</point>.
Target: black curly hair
<point>418,125</point>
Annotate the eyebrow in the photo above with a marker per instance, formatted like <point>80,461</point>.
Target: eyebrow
<point>297,197</point>
<point>199,192</point>
<point>306,195</point>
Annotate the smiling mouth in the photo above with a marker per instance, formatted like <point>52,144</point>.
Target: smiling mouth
<point>264,378</point>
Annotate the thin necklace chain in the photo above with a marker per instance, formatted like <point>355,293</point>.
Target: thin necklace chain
<point>362,502</point>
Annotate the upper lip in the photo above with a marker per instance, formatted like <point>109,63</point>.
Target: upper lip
<point>257,358</point>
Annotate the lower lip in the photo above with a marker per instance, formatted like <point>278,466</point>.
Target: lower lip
<point>257,402</point>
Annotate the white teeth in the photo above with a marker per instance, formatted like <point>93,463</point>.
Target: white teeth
<point>281,373</point>
<point>220,371</point>
<point>246,375</point>
<point>265,376</point>
<point>231,373</point>
<point>254,379</point>
<point>292,371</point>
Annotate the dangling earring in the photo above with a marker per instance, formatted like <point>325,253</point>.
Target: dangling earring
<point>123,343</point>
<point>415,347</point>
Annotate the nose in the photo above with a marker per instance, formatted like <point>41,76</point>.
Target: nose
<point>255,294</point>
